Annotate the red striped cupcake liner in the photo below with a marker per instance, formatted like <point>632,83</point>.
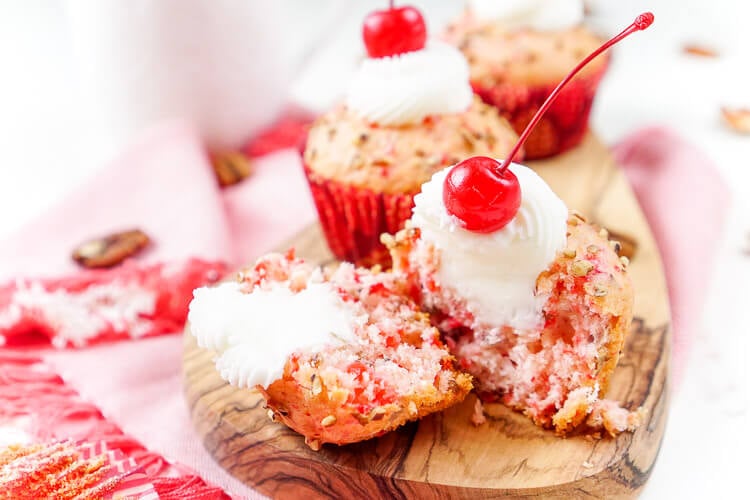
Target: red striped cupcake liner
<point>354,218</point>
<point>565,123</point>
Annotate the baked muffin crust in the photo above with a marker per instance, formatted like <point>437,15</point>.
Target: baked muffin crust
<point>346,148</point>
<point>523,56</point>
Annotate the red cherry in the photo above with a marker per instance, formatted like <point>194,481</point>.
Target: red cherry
<point>480,195</point>
<point>394,31</point>
<point>483,194</point>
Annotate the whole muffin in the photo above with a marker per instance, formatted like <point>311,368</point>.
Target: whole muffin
<point>518,52</point>
<point>363,176</point>
<point>409,112</point>
<point>340,355</point>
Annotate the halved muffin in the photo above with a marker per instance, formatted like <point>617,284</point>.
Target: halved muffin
<point>557,373</point>
<point>339,355</point>
<point>536,309</point>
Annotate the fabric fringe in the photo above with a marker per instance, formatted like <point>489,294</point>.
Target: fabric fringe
<point>36,399</point>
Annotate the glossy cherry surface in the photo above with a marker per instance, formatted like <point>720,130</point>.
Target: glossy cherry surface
<point>480,195</point>
<point>394,31</point>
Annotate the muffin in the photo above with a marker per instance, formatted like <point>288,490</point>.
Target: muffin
<point>517,54</point>
<point>406,116</point>
<point>536,311</point>
<point>340,356</point>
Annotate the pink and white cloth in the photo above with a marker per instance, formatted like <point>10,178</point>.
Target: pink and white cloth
<point>165,186</point>
<point>132,300</point>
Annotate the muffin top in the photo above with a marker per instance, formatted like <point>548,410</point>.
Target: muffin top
<point>346,148</point>
<point>499,54</point>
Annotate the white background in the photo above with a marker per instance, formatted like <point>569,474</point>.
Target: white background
<point>51,139</point>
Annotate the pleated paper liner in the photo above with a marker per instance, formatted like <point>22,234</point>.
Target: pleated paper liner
<point>565,123</point>
<point>354,218</point>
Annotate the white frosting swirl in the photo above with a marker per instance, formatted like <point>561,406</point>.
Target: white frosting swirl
<point>496,272</point>
<point>541,15</point>
<point>408,87</point>
<point>254,333</point>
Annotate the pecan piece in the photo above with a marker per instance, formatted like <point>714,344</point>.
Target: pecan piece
<point>738,119</point>
<point>581,268</point>
<point>110,250</point>
<point>695,49</point>
<point>230,167</point>
<point>627,244</point>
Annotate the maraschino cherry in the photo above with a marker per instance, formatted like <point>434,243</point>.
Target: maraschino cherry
<point>483,194</point>
<point>394,31</point>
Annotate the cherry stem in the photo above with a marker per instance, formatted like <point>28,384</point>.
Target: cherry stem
<point>391,5</point>
<point>641,23</point>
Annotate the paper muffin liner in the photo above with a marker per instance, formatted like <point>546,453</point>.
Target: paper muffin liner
<point>354,218</point>
<point>565,123</point>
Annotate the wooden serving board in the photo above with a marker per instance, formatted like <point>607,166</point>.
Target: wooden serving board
<point>443,455</point>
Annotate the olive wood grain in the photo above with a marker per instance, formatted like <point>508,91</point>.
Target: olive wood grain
<point>444,456</point>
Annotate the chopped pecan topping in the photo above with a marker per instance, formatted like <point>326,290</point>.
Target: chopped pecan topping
<point>581,268</point>
<point>317,386</point>
<point>314,444</point>
<point>413,411</point>
<point>377,414</point>
<point>596,290</point>
<point>623,244</point>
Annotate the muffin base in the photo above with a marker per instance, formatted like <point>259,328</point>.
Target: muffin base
<point>354,218</point>
<point>565,123</point>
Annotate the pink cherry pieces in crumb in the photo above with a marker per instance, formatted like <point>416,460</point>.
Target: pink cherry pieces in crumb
<point>394,31</point>
<point>483,194</point>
